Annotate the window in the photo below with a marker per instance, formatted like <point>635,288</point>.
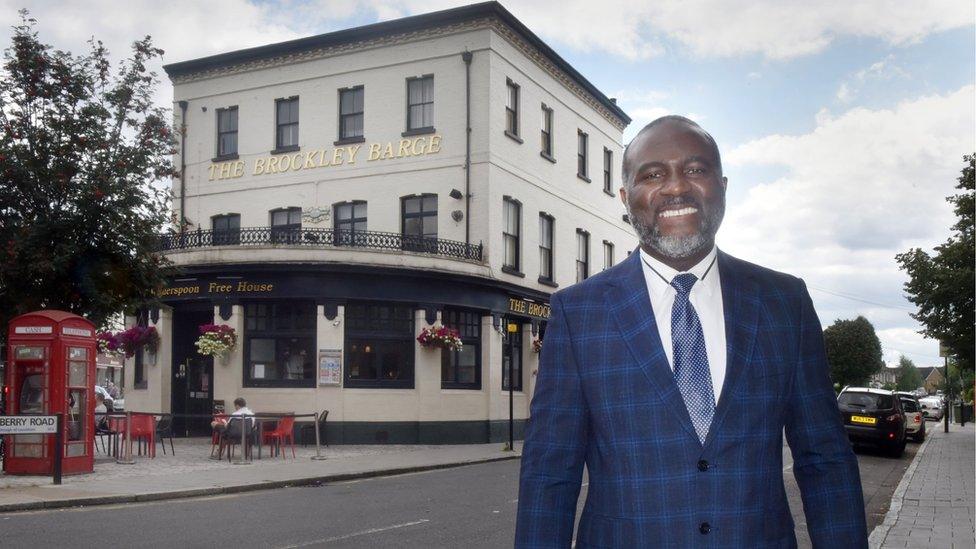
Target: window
<point>607,254</point>
<point>546,132</point>
<point>546,223</point>
<point>351,114</point>
<point>420,104</point>
<point>379,346</point>
<point>582,255</point>
<point>286,225</point>
<point>350,223</point>
<point>226,229</point>
<point>607,171</point>
<point>227,132</point>
<point>512,355</point>
<point>581,159</point>
<point>462,369</point>
<point>512,110</point>
<point>419,223</point>
<point>279,344</point>
<point>512,214</point>
<point>286,124</point>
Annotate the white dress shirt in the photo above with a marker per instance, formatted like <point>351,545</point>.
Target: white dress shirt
<point>706,298</point>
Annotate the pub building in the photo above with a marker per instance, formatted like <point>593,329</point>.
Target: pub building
<point>344,191</point>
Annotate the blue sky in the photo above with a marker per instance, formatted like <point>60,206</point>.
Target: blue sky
<point>842,124</point>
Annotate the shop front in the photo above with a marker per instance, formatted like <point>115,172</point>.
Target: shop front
<point>344,339</point>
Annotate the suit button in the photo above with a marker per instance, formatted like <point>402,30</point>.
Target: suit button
<point>702,465</point>
<point>704,528</point>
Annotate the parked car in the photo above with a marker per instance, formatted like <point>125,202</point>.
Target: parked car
<point>873,416</point>
<point>932,407</point>
<point>914,422</point>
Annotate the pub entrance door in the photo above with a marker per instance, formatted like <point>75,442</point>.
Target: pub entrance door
<point>192,374</point>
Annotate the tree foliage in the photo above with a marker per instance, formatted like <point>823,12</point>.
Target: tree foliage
<point>853,351</point>
<point>908,378</point>
<point>941,285</point>
<point>80,148</point>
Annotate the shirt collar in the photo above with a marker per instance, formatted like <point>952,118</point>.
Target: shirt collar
<point>706,270</point>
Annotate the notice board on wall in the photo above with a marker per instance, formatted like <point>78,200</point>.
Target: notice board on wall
<point>330,367</point>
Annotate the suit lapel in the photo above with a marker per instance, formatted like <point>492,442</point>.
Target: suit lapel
<point>629,304</point>
<point>740,299</point>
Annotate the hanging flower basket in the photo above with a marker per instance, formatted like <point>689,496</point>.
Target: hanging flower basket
<point>108,344</point>
<point>440,337</point>
<point>537,345</point>
<point>138,338</point>
<point>216,340</point>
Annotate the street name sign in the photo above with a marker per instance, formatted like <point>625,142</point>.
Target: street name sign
<point>28,425</point>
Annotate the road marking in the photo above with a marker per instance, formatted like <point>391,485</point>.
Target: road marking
<point>356,534</point>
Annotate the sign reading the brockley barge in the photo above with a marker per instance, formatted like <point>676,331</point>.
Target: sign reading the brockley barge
<point>323,158</point>
<point>529,308</point>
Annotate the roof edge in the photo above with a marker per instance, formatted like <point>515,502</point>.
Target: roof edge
<point>402,25</point>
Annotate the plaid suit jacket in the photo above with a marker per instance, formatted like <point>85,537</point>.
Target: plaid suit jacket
<point>606,397</point>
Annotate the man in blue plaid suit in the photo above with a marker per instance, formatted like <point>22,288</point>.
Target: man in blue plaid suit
<point>673,376</point>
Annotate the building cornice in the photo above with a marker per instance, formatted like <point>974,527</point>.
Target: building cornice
<point>490,15</point>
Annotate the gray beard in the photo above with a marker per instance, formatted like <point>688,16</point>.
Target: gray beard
<point>678,247</point>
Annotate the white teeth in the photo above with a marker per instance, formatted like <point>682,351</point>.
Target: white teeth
<point>676,213</point>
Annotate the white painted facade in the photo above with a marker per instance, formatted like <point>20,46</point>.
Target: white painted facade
<point>431,163</point>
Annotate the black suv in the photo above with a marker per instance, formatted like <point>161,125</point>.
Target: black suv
<point>873,416</point>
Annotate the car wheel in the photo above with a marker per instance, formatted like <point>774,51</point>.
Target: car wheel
<point>919,436</point>
<point>897,449</point>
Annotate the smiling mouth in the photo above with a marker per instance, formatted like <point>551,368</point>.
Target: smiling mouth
<point>679,212</point>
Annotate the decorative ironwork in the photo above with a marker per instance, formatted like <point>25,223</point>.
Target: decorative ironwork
<point>319,238</point>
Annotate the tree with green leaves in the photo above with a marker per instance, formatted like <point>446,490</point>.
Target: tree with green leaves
<point>853,351</point>
<point>82,150</point>
<point>941,285</point>
<point>908,378</point>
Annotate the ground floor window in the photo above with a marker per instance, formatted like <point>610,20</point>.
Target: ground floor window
<point>279,344</point>
<point>462,369</point>
<point>512,355</point>
<point>379,346</point>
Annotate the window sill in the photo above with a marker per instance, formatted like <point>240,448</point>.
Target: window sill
<point>547,156</point>
<point>284,150</point>
<point>514,137</point>
<point>225,158</point>
<point>548,282</point>
<point>608,193</point>
<point>460,387</point>
<point>350,384</point>
<point>141,385</point>
<point>270,384</point>
<point>348,140</point>
<point>584,178</point>
<point>512,271</point>
<point>418,131</point>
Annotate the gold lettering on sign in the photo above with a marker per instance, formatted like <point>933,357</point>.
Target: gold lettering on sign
<point>374,151</point>
<point>259,166</point>
<point>226,170</point>
<point>337,156</point>
<point>309,161</point>
<point>387,151</point>
<point>435,144</point>
<point>353,150</point>
<point>404,143</point>
<point>418,141</point>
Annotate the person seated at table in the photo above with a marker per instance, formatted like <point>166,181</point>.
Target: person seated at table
<point>231,429</point>
<point>101,422</point>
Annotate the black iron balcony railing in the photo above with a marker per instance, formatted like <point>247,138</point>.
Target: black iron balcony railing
<point>319,238</point>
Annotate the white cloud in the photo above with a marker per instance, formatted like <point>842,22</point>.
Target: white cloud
<point>775,29</point>
<point>880,71</point>
<point>861,187</point>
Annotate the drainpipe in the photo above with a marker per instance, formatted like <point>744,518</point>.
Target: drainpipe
<point>466,57</point>
<point>183,105</point>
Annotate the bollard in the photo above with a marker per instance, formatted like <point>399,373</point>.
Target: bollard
<point>128,442</point>
<point>318,448</point>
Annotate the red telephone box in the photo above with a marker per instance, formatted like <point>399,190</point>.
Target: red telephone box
<point>51,370</point>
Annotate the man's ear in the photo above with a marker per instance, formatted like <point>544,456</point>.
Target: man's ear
<point>623,195</point>
<point>725,183</point>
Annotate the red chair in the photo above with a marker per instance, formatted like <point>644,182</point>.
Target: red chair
<point>215,436</point>
<point>282,434</point>
<point>143,429</point>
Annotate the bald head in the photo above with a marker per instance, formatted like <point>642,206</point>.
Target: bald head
<point>669,120</point>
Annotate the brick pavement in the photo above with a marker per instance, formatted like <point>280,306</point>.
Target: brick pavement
<point>934,505</point>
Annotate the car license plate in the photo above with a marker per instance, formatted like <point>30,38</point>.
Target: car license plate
<point>865,420</point>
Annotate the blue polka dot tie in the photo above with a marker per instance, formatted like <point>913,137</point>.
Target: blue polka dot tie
<point>691,371</point>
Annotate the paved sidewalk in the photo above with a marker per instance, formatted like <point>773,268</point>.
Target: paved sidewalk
<point>190,472</point>
<point>934,504</point>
